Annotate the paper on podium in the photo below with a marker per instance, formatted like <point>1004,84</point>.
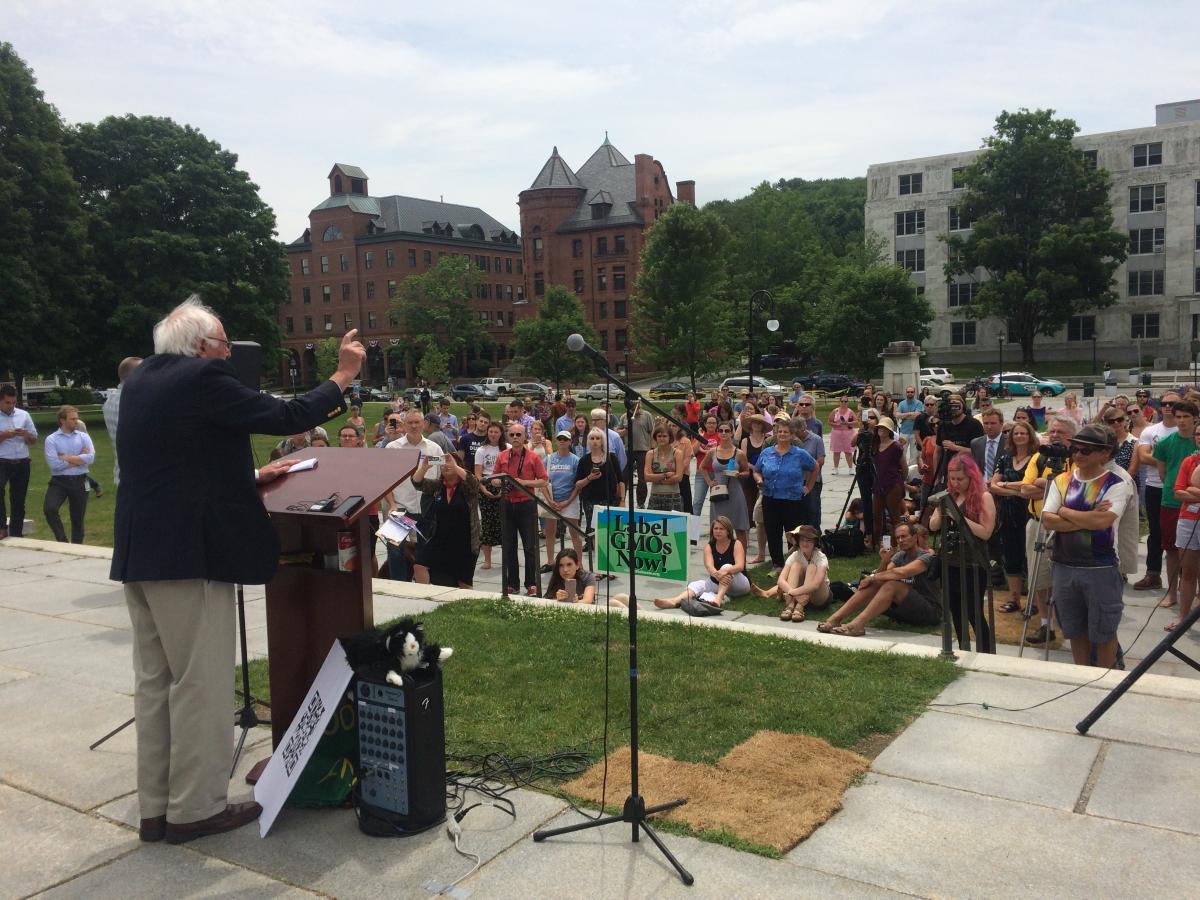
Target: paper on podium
<point>302,736</point>
<point>304,464</point>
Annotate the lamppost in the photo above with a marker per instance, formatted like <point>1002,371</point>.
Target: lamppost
<point>772,325</point>
<point>1000,340</point>
<point>1095,371</point>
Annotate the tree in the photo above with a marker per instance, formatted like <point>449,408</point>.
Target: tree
<point>43,234</point>
<point>434,365</point>
<point>171,214</point>
<point>865,307</point>
<point>1043,228</point>
<point>681,316</point>
<point>437,305</point>
<point>540,343</point>
<point>326,352</point>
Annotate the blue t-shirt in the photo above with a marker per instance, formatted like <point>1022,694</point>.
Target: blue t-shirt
<point>784,475</point>
<point>909,406</point>
<point>814,446</point>
<point>561,472</point>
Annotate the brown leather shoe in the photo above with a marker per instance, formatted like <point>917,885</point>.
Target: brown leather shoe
<point>235,815</point>
<point>153,829</point>
<point>1151,580</point>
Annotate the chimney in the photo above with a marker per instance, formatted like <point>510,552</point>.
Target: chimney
<point>685,192</point>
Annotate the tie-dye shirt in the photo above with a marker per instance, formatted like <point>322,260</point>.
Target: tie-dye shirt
<point>1084,548</point>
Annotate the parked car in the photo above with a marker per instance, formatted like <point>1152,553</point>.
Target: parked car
<point>774,361</point>
<point>471,392</point>
<point>669,390</point>
<point>497,384</point>
<point>942,375</point>
<point>530,389</point>
<point>1023,384</point>
<point>601,391</point>
<point>832,383</point>
<point>413,395</point>
<point>374,395</point>
<point>739,383</point>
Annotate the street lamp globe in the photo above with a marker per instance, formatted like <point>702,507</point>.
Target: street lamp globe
<point>772,324</point>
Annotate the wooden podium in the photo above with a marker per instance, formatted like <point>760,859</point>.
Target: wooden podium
<point>310,602</point>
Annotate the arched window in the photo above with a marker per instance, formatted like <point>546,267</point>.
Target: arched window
<point>332,233</point>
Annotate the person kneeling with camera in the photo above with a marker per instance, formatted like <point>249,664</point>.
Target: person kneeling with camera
<point>1083,509</point>
<point>902,586</point>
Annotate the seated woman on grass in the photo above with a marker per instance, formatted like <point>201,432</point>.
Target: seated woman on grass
<point>804,581</point>
<point>725,560</point>
<point>571,583</point>
<point>901,587</point>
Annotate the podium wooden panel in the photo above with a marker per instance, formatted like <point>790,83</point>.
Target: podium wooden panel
<point>311,603</point>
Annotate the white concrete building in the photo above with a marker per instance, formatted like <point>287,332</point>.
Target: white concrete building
<point>1155,174</point>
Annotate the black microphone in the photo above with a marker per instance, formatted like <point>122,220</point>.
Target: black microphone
<point>576,343</point>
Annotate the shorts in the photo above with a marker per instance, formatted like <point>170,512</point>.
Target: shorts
<point>1043,575</point>
<point>1187,534</point>
<point>915,609</point>
<point>1168,518</point>
<point>570,512</point>
<point>1088,602</point>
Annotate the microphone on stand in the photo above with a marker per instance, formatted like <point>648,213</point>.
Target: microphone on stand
<point>576,343</point>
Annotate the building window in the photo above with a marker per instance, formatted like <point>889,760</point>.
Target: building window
<point>577,248</point>
<point>619,309</point>
<point>328,322</point>
<point>1148,198</point>
<point>1198,237</point>
<point>389,257</point>
<point>1196,285</point>
<point>288,325</point>
<point>510,319</point>
<point>602,246</point>
<point>1146,283</point>
<point>345,291</point>
<point>520,293</point>
<point>497,295</point>
<point>579,281</point>
<point>1090,158</point>
<point>537,248</point>
<point>412,259</point>
<point>499,319</point>
<point>618,278</point>
<point>1081,328</point>
<point>956,221</point>
<point>603,313</point>
<point>369,259</point>
<point>1143,325</point>
<point>539,283</point>
<point>602,279</point>
<point>427,257</point>
<point>326,293</point>
<point>962,334</point>
<point>913,260</point>
<point>1147,155</point>
<point>370,290</point>
<point>343,263</point>
<point>1198,193</point>
<point>371,318</point>
<point>508,265</point>
<point>910,222</point>
<point>619,244</point>
<point>604,340</point>
<point>520,267</point>
<point>910,184</point>
<point>622,339</point>
<point>324,263</point>
<point>307,292</point>
<point>497,264</point>
<point>391,289</point>
<point>304,267</point>
<point>308,324</point>
<point>347,322</point>
<point>956,177</point>
<point>1146,240</point>
<point>508,295</point>
<point>961,294</point>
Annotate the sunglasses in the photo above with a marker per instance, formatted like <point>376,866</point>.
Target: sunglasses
<point>1114,421</point>
<point>516,434</point>
<point>1167,403</point>
<point>1076,450</point>
<point>724,431</point>
<point>561,438</point>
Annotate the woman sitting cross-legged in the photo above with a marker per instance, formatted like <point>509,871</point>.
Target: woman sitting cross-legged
<point>804,581</point>
<point>902,586</point>
<point>725,560</point>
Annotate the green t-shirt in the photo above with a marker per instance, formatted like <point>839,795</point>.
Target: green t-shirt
<point>1173,450</point>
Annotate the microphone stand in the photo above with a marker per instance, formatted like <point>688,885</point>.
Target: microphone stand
<point>635,810</point>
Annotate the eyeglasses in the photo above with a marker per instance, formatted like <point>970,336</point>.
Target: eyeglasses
<point>804,404</point>
<point>724,431</point>
<point>516,434</point>
<point>1167,403</point>
<point>1076,450</point>
<point>1114,421</point>
<point>217,340</point>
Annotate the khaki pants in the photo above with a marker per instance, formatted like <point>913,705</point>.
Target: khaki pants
<point>183,636</point>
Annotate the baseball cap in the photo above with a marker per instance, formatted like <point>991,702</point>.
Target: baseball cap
<point>563,433</point>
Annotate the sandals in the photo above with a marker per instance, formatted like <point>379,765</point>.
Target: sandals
<point>798,613</point>
<point>1010,606</point>
<point>827,627</point>
<point>786,615</point>
<point>845,631</point>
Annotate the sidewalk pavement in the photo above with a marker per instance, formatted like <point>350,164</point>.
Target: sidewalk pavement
<point>966,802</point>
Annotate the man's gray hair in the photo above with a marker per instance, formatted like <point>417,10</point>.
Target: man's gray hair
<point>182,329</point>
<point>1071,426</point>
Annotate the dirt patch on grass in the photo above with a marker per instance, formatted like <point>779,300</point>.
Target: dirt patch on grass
<point>774,789</point>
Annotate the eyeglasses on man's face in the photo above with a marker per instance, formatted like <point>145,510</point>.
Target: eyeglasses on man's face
<point>216,340</point>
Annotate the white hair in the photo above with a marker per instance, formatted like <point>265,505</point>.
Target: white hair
<point>1069,425</point>
<point>183,329</point>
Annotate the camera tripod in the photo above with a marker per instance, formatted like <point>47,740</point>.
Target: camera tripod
<point>1055,468</point>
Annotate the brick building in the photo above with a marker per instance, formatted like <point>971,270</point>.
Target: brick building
<point>585,231</point>
<point>358,249</point>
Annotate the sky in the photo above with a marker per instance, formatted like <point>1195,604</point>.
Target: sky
<point>464,103</point>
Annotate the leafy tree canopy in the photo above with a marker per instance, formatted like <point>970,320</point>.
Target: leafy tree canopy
<point>43,234</point>
<point>541,342</point>
<point>437,305</point>
<point>434,366</point>
<point>326,352</point>
<point>1043,228</point>
<point>681,317</point>
<point>171,214</point>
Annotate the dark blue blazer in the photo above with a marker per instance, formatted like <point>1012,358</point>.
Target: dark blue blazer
<point>187,506</point>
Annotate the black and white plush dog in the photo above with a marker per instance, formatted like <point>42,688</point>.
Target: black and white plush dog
<point>392,654</point>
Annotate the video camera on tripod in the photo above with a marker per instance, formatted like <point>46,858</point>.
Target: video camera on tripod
<point>1056,456</point>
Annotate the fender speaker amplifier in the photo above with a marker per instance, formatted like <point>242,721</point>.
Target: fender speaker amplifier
<point>402,755</point>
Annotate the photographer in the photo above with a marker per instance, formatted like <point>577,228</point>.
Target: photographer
<point>1052,458</point>
<point>1083,508</point>
<point>958,430</point>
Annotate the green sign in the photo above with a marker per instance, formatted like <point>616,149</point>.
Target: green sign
<point>659,546</point>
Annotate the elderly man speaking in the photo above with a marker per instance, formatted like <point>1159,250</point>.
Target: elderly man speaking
<point>189,526</point>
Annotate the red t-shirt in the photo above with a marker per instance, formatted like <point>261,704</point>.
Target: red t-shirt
<point>1191,509</point>
<point>693,411</point>
<point>525,465</point>
<point>704,443</point>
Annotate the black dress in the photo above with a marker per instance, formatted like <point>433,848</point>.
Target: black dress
<point>448,553</point>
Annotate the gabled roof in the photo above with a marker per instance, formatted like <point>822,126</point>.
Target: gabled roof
<point>396,213</point>
<point>606,155</point>
<point>600,197</point>
<point>358,203</point>
<point>608,178</point>
<point>555,174</point>
<point>350,171</point>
